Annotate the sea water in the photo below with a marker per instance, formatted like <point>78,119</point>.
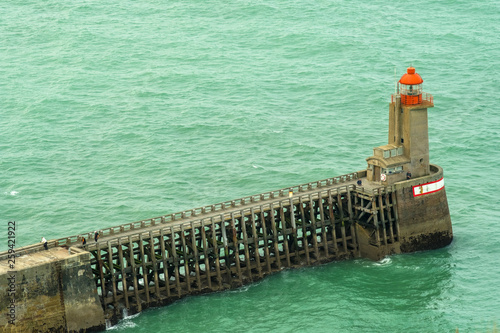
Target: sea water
<point>119,111</point>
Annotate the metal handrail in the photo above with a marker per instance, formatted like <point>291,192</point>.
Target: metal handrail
<point>425,97</point>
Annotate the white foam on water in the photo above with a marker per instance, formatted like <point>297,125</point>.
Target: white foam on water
<point>126,322</point>
<point>384,262</point>
<point>11,193</point>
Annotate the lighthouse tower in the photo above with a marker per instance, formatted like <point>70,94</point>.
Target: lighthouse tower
<point>406,155</point>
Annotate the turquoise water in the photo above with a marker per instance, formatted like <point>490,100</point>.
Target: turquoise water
<point>113,112</point>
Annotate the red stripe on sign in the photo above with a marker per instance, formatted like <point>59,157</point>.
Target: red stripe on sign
<point>428,188</point>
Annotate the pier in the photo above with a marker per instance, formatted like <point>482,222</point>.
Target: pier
<point>371,213</point>
<point>223,246</point>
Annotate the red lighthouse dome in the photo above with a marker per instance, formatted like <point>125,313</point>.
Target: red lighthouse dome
<point>410,86</point>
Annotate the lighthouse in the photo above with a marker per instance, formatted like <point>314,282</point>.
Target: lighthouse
<point>406,155</point>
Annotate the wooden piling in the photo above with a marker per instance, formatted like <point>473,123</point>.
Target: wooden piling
<point>186,254</point>
<point>245,244</point>
<point>342,220</point>
<point>382,218</point>
<point>176,261</point>
<point>121,262</point>
<point>332,220</point>
<point>305,223</point>
<point>388,208</point>
<point>204,242</point>
<point>255,242</point>
<point>195,254</point>
<point>266,243</point>
<point>236,245</point>
<point>112,277</point>
<point>227,261</point>
<point>166,276</point>
<point>144,269</point>
<point>313,227</point>
<point>323,228</point>
<point>395,206</point>
<point>375,221</point>
<point>101,273</point>
<point>217,253</point>
<point>155,266</point>
<point>277,255</point>
<point>351,217</point>
<point>138,302</point>
<point>284,229</point>
<point>294,230</point>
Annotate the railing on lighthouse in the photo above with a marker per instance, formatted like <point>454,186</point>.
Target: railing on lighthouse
<point>426,97</point>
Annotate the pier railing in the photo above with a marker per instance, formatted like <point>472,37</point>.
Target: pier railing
<point>425,97</point>
<point>224,216</point>
<point>216,207</point>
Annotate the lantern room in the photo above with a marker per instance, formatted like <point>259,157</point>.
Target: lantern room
<point>410,87</point>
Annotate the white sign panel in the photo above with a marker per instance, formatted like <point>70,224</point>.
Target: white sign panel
<point>428,187</point>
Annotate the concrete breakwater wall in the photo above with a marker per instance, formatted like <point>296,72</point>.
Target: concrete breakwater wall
<point>50,291</point>
<point>155,265</point>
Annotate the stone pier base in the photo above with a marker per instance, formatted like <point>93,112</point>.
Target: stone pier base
<point>49,291</point>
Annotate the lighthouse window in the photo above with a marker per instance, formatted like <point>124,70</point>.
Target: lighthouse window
<point>393,152</point>
<point>411,90</point>
<point>389,171</point>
